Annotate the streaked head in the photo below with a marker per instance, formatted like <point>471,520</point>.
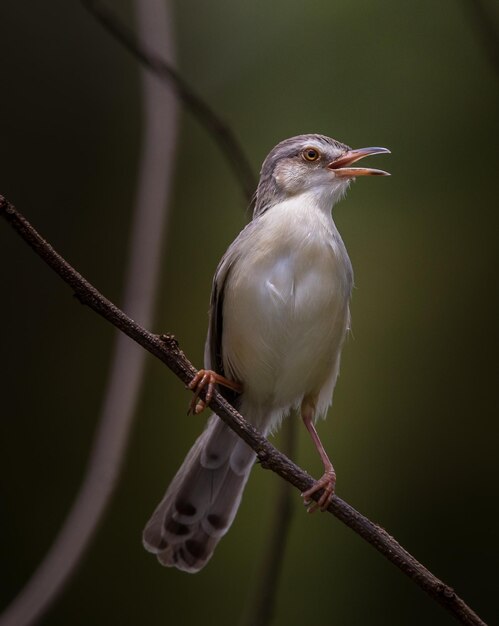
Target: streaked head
<point>310,162</point>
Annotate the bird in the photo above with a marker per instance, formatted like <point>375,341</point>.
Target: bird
<point>278,318</point>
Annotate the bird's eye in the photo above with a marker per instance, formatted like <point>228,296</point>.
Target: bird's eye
<point>310,154</point>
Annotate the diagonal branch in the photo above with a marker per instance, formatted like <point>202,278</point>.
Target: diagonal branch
<point>202,112</point>
<point>166,349</point>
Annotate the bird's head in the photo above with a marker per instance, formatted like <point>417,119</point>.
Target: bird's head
<point>310,163</point>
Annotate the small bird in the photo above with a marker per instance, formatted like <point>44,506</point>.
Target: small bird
<point>278,318</point>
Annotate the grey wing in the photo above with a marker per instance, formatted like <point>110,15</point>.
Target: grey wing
<point>213,354</point>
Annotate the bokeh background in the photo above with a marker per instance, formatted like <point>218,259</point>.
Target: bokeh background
<point>414,428</point>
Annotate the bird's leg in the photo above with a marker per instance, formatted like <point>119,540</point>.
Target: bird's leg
<point>328,480</point>
<point>207,378</point>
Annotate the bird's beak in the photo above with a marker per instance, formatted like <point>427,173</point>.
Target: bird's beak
<point>340,165</point>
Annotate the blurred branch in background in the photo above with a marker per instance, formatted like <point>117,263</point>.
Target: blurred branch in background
<point>166,349</point>
<point>263,596</point>
<point>219,131</point>
<point>160,113</point>
<point>487,29</point>
<point>260,604</point>
<point>128,363</point>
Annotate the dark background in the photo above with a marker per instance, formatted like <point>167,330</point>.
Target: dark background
<point>413,432</point>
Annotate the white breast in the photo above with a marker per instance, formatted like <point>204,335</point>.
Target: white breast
<point>286,306</point>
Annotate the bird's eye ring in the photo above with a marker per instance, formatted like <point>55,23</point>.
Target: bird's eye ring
<point>310,154</point>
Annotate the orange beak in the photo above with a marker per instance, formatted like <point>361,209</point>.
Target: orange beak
<point>341,164</point>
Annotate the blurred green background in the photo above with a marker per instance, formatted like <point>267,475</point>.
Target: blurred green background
<point>414,429</point>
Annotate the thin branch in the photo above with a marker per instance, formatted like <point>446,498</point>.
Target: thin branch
<point>220,132</point>
<point>485,24</point>
<point>120,399</point>
<point>166,349</point>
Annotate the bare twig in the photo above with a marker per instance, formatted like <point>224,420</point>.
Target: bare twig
<point>118,407</point>
<point>487,29</point>
<point>166,349</point>
<point>219,131</point>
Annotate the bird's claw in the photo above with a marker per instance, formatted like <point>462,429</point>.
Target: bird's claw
<point>207,378</point>
<point>327,483</point>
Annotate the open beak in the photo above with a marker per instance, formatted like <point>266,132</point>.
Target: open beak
<point>341,164</point>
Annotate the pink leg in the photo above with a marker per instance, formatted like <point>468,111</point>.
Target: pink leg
<point>207,378</point>
<point>328,480</point>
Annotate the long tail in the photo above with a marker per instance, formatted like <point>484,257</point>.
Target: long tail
<point>202,500</point>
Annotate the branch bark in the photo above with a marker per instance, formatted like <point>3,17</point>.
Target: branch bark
<point>167,350</point>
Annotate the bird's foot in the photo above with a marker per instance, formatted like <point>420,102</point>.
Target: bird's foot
<point>207,378</point>
<point>327,483</point>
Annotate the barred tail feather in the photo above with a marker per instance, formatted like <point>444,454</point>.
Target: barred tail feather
<point>202,500</point>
